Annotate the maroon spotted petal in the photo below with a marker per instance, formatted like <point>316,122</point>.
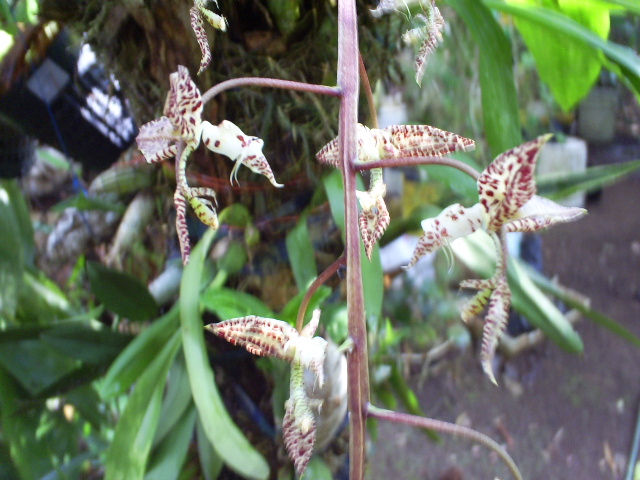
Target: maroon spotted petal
<point>508,183</point>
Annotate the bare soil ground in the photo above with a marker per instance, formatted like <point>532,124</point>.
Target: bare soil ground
<point>560,416</point>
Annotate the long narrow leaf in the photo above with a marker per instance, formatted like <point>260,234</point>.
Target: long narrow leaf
<point>128,453</point>
<point>571,301</point>
<point>135,358</point>
<point>560,185</point>
<point>499,97</point>
<point>227,439</point>
<point>172,451</point>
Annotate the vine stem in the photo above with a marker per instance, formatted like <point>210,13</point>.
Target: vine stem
<point>446,427</point>
<point>270,83</point>
<point>357,364</point>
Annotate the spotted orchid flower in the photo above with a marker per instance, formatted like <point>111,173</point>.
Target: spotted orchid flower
<point>507,204</point>
<point>227,139</point>
<point>198,12</point>
<point>182,121</point>
<point>427,35</point>
<point>269,337</point>
<point>394,141</point>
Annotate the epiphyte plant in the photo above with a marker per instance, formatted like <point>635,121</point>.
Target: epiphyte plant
<point>507,203</point>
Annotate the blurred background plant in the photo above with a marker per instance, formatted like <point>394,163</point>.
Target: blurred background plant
<point>104,367</point>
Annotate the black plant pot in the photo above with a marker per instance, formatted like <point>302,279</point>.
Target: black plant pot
<point>75,110</point>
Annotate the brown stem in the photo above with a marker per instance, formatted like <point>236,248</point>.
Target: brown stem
<point>357,365</point>
<point>271,83</point>
<point>366,86</point>
<point>320,280</point>
<point>446,427</point>
<point>415,161</point>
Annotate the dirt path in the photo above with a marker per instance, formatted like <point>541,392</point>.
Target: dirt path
<point>557,413</point>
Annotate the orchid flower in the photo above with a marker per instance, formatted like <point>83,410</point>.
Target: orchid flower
<point>182,121</point>
<point>427,35</point>
<point>269,337</point>
<point>197,12</point>
<point>507,204</point>
<point>394,141</point>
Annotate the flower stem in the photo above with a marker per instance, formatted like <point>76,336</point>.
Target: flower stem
<point>446,427</point>
<point>414,161</point>
<point>270,83</point>
<point>320,280</point>
<point>357,364</point>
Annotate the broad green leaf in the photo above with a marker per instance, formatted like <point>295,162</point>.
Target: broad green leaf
<point>630,5</point>
<point>372,281</point>
<point>90,342</point>
<point>29,454</point>
<point>499,97</point>
<point>168,458</point>
<point>622,58</point>
<point>127,456</point>
<point>35,365</point>
<point>301,254</point>
<point>227,439</point>
<point>227,303</point>
<point>136,357</point>
<point>121,293</point>
<point>569,67</point>
<point>560,185</point>
<point>22,217</point>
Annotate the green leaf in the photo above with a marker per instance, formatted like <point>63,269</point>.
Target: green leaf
<point>136,357</point>
<point>170,455</point>
<point>529,300</point>
<point>372,280</point>
<point>29,454</point>
<point>227,439</point>
<point>623,58</point>
<point>176,400</point>
<point>318,469</point>
<point>499,97</point>
<point>11,253</point>
<point>121,293</point>
<point>571,301</point>
<point>301,254</point>
<point>82,202</point>
<point>227,303</point>
<point>35,365</point>
<point>90,342</point>
<point>210,462</point>
<point>290,311</point>
<point>41,300</point>
<point>560,185</point>
<point>126,458</point>
<point>569,67</point>
<point>478,253</point>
